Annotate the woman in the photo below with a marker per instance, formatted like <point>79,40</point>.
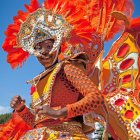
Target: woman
<point>63,91</point>
<point>69,83</point>
<point>60,35</point>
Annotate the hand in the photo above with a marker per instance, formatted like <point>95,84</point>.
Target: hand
<point>17,103</point>
<point>46,110</point>
<point>51,112</point>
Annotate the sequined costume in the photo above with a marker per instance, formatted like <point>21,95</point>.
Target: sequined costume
<point>103,90</point>
<point>120,74</point>
<point>70,92</point>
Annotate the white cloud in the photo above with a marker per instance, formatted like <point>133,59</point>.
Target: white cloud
<point>5,109</point>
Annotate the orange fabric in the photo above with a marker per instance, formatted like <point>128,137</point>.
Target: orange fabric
<point>14,128</point>
<point>71,85</point>
<point>27,116</point>
<point>63,91</point>
<point>92,96</point>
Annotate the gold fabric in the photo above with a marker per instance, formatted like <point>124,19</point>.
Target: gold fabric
<point>65,131</point>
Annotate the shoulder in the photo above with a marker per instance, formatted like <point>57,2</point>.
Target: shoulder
<point>76,62</point>
<point>73,65</point>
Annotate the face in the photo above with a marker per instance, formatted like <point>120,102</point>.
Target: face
<point>44,48</point>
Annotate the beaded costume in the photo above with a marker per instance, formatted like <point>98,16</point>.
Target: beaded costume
<point>104,90</point>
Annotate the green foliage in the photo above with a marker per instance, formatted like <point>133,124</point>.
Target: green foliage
<point>4,118</point>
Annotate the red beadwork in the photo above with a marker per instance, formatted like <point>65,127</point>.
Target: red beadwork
<point>127,78</point>
<point>126,64</point>
<point>138,125</point>
<point>123,50</point>
<point>129,114</point>
<point>119,102</point>
<point>33,89</point>
<point>123,89</point>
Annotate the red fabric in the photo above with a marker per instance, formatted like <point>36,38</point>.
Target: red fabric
<point>27,116</point>
<point>63,92</point>
<point>92,96</point>
<point>14,128</point>
<point>70,85</point>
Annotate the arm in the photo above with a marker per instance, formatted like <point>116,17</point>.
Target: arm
<point>18,104</point>
<point>27,116</point>
<point>92,101</point>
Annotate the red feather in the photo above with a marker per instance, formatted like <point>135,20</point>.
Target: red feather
<point>34,5</point>
<point>85,17</point>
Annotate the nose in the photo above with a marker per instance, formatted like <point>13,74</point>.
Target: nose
<point>44,51</point>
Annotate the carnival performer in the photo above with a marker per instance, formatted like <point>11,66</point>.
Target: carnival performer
<point>63,37</point>
<point>62,91</point>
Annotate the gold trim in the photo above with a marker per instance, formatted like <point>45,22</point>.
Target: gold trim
<point>46,96</point>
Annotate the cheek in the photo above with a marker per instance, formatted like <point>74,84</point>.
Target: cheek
<point>54,55</point>
<point>40,61</point>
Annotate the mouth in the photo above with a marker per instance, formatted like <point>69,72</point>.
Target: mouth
<point>43,57</point>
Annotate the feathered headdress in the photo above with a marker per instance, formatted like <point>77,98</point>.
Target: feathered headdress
<point>72,24</point>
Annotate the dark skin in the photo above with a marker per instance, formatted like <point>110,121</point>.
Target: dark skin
<point>47,60</point>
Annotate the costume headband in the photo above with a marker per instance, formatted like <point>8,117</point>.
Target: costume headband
<point>41,25</point>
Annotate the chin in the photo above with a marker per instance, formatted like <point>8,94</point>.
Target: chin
<point>47,65</point>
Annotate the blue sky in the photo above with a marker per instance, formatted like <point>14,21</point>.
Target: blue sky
<point>13,82</point>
